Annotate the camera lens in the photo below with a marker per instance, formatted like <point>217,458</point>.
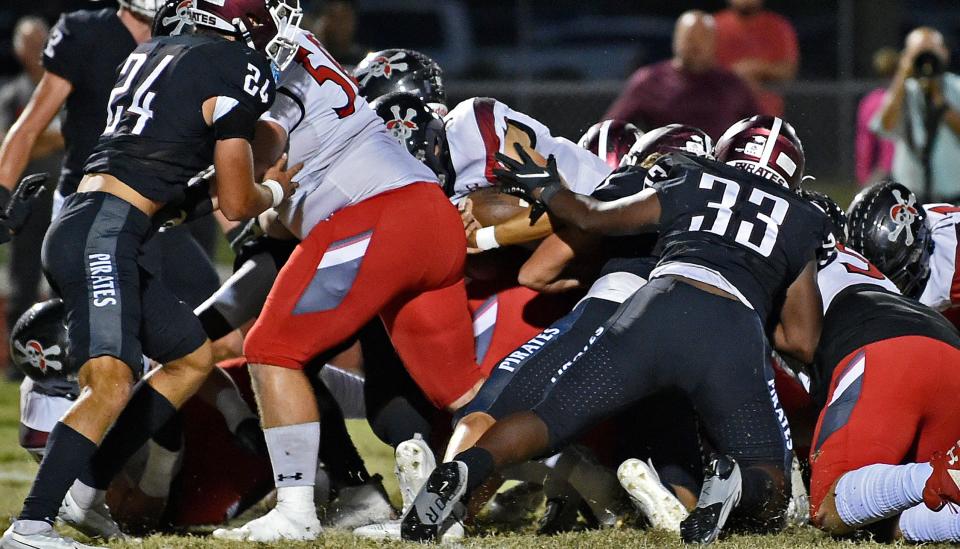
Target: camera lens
<point>927,65</point>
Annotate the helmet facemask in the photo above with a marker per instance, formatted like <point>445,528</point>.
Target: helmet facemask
<point>282,48</point>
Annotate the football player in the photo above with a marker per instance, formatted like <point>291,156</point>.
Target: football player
<point>180,103</point>
<point>884,377</point>
<point>915,244</point>
<point>735,238</point>
<point>163,485</point>
<point>364,209</point>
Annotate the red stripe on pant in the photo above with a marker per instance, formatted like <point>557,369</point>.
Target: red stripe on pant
<point>905,412</point>
<point>411,275</point>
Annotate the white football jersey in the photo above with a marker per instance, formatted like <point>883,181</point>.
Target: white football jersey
<point>347,153</point>
<point>475,134</point>
<point>943,286</point>
<point>846,269</point>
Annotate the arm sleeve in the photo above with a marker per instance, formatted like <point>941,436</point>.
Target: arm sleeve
<point>62,55</point>
<point>244,91</point>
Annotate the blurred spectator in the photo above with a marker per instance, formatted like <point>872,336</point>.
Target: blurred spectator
<point>29,38</point>
<point>922,114</point>
<point>760,46</point>
<point>336,27</point>
<point>688,89</point>
<point>875,153</point>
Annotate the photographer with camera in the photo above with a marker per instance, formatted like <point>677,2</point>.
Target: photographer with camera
<point>922,114</point>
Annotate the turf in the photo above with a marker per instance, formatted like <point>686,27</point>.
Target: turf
<point>16,470</point>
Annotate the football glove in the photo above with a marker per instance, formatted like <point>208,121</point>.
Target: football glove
<point>523,178</point>
<point>20,205</point>
<point>196,203</point>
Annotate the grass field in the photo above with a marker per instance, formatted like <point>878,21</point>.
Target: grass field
<point>16,470</point>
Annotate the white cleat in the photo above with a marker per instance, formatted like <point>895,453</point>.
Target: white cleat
<point>651,498</point>
<point>357,506</point>
<point>390,530</point>
<point>94,522</point>
<point>44,539</point>
<point>415,462</point>
<point>274,526</point>
<point>798,510</point>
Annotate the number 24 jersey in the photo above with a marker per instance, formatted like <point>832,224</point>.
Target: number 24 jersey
<point>734,230</point>
<point>156,137</point>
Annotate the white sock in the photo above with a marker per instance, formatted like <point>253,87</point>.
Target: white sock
<point>87,496</point>
<point>921,524</point>
<point>296,501</point>
<point>158,471</point>
<point>233,408</point>
<point>879,491</point>
<point>293,453</point>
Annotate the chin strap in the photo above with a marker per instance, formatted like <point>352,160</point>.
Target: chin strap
<point>243,32</point>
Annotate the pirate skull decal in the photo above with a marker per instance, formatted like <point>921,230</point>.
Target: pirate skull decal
<point>39,357</point>
<point>383,67</point>
<point>903,213</point>
<point>401,128</point>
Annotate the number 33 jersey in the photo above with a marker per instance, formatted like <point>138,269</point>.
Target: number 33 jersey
<point>736,231</point>
<point>347,153</point>
<point>156,137</point>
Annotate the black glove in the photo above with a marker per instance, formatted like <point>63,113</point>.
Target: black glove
<point>523,178</point>
<point>196,203</point>
<point>243,234</point>
<point>20,205</point>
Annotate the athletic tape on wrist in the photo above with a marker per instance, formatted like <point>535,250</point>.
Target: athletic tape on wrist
<point>276,190</point>
<point>487,238</point>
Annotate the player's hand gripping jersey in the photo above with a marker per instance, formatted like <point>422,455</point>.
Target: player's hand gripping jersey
<point>347,153</point>
<point>156,137</point>
<point>735,231</point>
<point>475,134</point>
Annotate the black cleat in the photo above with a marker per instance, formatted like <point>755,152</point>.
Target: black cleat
<point>438,505</point>
<point>720,494</point>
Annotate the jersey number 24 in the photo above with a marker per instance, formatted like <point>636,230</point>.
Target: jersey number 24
<point>743,233</point>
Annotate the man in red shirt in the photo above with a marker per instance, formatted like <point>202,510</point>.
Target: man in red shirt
<point>688,89</point>
<point>760,46</point>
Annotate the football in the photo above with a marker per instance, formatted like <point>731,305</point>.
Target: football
<point>492,207</point>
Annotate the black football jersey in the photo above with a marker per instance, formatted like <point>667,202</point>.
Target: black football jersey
<point>748,230</point>
<point>624,182</point>
<point>85,47</point>
<point>861,315</point>
<point>156,138</point>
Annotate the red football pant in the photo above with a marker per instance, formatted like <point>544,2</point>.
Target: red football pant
<point>506,318</point>
<point>905,410</point>
<point>399,255</point>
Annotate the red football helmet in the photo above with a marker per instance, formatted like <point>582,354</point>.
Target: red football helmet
<point>610,140</point>
<point>764,145</point>
<point>668,139</point>
<point>269,26</point>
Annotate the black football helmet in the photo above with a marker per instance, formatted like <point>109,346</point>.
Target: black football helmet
<point>38,346</point>
<point>270,26</point>
<point>173,18</point>
<point>838,217</point>
<point>610,140</point>
<point>887,224</point>
<point>399,70</point>
<point>763,145</point>
<point>420,130</point>
<point>668,139</point>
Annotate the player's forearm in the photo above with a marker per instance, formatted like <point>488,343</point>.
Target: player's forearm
<point>621,217</point>
<point>517,230</point>
<point>892,108</point>
<point>15,154</point>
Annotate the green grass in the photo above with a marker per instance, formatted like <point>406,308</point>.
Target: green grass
<point>16,467</point>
